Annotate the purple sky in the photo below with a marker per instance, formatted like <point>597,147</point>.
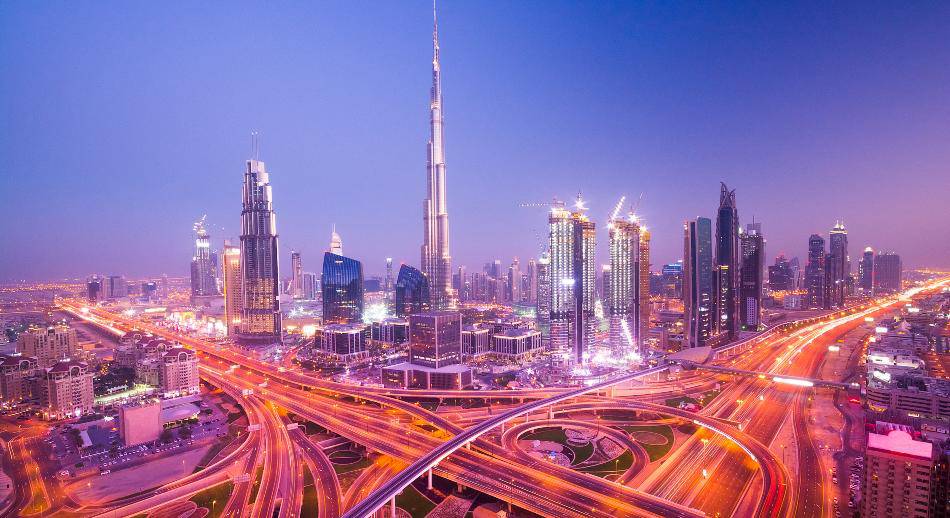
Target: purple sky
<point>123,122</point>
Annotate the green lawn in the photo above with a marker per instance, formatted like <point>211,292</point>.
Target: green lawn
<point>257,484</point>
<point>214,498</point>
<point>675,402</point>
<point>655,451</point>
<point>414,502</point>
<point>363,463</point>
<point>618,465</point>
<point>581,453</point>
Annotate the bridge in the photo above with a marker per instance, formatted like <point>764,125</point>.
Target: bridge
<point>795,381</point>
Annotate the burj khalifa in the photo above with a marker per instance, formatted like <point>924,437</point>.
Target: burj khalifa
<point>436,261</point>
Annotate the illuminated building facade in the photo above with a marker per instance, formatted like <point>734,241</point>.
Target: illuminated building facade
<point>436,260</point>
<point>296,275</point>
<point>642,295</point>
<point>342,288</point>
<point>887,272</point>
<point>260,309</point>
<point>67,390</point>
<point>780,275</point>
<point>544,297</point>
<point>15,374</point>
<point>48,344</point>
<point>838,266</point>
<point>204,264</point>
<point>815,273</point>
<point>573,279</point>
<point>623,274</point>
<point>752,248</point>
<point>866,271</point>
<point>233,291</point>
<point>412,292</point>
<point>178,372</point>
<point>698,283</point>
<point>727,264</point>
<point>435,339</point>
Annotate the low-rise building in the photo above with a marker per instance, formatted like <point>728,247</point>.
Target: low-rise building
<point>908,396</point>
<point>140,422</point>
<point>345,343</point>
<point>476,341</point>
<point>516,343</point>
<point>16,373</point>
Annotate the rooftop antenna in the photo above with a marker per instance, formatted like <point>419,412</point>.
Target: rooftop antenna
<point>255,145</point>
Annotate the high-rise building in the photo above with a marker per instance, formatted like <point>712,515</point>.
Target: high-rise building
<point>178,372</point>
<point>623,273</point>
<point>887,272</point>
<point>66,389</point>
<point>95,291</point>
<point>673,280</point>
<point>16,371</point>
<point>514,281</point>
<point>435,339</point>
<point>260,311</point>
<point>780,274</point>
<point>727,263</point>
<point>752,246</point>
<point>573,278</point>
<point>296,275</point>
<point>204,264</point>
<point>436,260</point>
<point>866,271</point>
<point>898,476</point>
<point>838,265</point>
<point>233,289</point>
<point>412,292</point>
<point>815,272</point>
<point>118,288</point>
<point>698,283</point>
<point>342,287</point>
<point>544,297</point>
<point>311,286</point>
<point>794,266</point>
<point>48,344</point>
<point>642,294</point>
<point>532,294</point>
<point>389,284</point>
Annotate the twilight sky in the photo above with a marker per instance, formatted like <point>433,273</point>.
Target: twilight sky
<point>121,123</point>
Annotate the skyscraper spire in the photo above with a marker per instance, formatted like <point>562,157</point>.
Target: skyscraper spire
<point>436,261</point>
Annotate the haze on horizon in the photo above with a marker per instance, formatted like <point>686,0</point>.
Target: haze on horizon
<point>124,123</point>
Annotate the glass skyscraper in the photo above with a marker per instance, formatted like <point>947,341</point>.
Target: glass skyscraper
<point>342,287</point>
<point>573,280</point>
<point>412,292</point>
<point>698,285</point>
<point>727,263</point>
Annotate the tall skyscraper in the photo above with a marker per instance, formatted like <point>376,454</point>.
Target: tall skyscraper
<point>642,295</point>
<point>412,292</point>
<point>838,265</point>
<point>815,272</point>
<point>531,297</point>
<point>673,280</point>
<point>752,248</point>
<point>573,278</point>
<point>260,320</point>
<point>336,243</point>
<point>311,285</point>
<point>544,297</point>
<point>698,283</point>
<point>623,273</point>
<point>887,272</point>
<point>780,274</point>
<point>436,260</point>
<point>296,272</point>
<point>514,281</point>
<point>342,285</point>
<point>233,292</point>
<point>204,264</point>
<point>389,283</point>
<point>866,271</point>
<point>727,263</point>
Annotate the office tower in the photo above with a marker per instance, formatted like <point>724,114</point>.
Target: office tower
<point>311,286</point>
<point>887,272</point>
<point>780,274</point>
<point>67,389</point>
<point>532,293</point>
<point>573,278</point>
<point>838,265</point>
<point>727,263</point>
<point>794,266</point>
<point>673,280</point>
<point>342,287</point>
<point>642,295</point>
<point>117,287</point>
<point>898,475</point>
<point>436,260</point>
<point>260,310</point>
<point>48,344</point>
<point>866,271</point>
<point>94,289</point>
<point>149,291</point>
<point>752,246</point>
<point>435,339</point>
<point>412,292</point>
<point>336,243</point>
<point>698,283</point>
<point>462,285</point>
<point>544,297</point>
<point>514,281</point>
<point>815,273</point>
<point>163,287</point>
<point>621,279</point>
<point>389,285</point>
<point>233,290</point>
<point>296,272</point>
<point>204,267</point>
<point>178,372</point>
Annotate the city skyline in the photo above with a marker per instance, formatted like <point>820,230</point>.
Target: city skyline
<point>169,168</point>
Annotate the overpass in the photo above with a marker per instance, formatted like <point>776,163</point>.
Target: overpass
<point>795,381</point>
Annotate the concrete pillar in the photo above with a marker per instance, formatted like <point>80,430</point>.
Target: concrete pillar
<point>392,508</point>
<point>429,481</point>
<point>550,412</point>
<point>526,418</point>
<point>509,508</point>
